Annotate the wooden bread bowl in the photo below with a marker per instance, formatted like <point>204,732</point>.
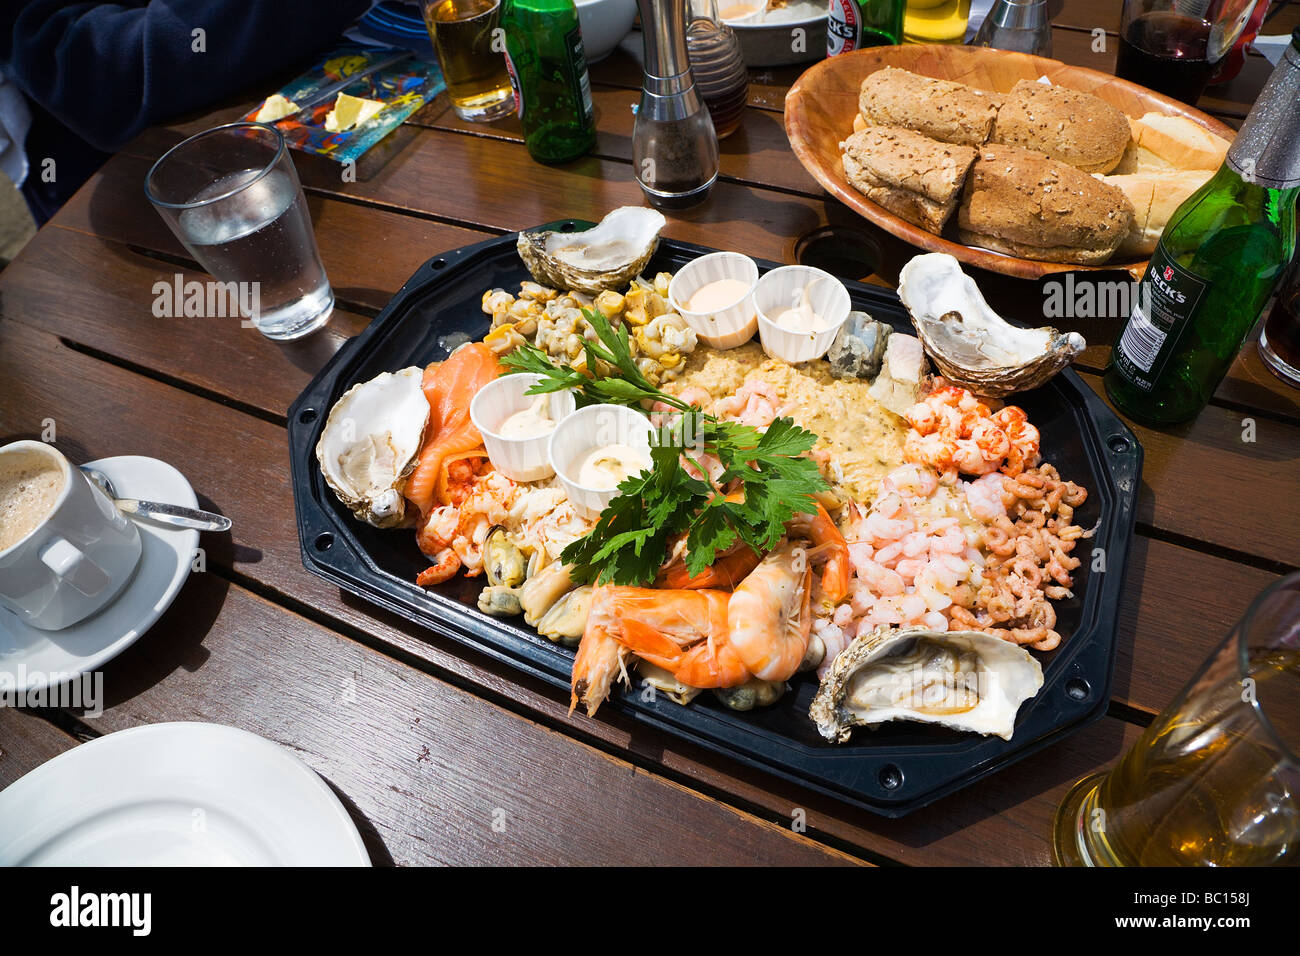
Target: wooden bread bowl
<point>820,107</point>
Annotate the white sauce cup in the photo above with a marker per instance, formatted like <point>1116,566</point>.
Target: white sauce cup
<point>724,328</point>
<point>582,433</point>
<point>523,459</point>
<point>778,290</point>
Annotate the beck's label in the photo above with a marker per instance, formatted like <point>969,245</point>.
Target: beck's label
<point>1166,303</point>
<point>843,27</point>
<point>514,86</point>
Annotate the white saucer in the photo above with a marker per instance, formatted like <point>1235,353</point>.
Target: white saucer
<point>176,794</point>
<point>29,655</point>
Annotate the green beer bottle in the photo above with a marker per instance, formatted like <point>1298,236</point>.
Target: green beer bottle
<point>855,24</point>
<point>548,71</point>
<point>1215,266</point>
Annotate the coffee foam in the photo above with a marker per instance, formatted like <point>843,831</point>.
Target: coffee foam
<point>30,485</point>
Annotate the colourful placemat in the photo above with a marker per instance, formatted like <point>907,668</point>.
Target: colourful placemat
<point>403,88</point>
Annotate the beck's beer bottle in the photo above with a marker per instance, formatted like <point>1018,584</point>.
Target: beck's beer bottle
<point>1215,266</point>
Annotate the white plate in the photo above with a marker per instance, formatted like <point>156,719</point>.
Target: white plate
<point>29,655</point>
<point>177,794</point>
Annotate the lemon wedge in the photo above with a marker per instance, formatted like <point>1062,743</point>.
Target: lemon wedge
<point>275,108</point>
<point>350,111</point>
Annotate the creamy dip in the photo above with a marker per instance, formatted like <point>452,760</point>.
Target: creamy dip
<point>801,317</point>
<point>533,422</point>
<point>605,466</point>
<point>717,295</point>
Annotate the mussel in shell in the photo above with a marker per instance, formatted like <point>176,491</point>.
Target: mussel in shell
<point>539,593</point>
<point>503,563</point>
<point>664,682</point>
<point>755,692</point>
<point>567,618</point>
<point>499,601</point>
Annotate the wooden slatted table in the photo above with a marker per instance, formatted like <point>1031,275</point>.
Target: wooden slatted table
<point>426,742</point>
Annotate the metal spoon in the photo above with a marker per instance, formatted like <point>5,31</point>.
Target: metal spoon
<point>176,515</point>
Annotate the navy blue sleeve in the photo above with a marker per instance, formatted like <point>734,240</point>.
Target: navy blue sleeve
<point>108,70</point>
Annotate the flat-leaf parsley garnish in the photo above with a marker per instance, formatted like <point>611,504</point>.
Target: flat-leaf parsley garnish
<point>631,539</point>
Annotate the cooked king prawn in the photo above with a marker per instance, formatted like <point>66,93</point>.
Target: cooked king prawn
<point>705,638</point>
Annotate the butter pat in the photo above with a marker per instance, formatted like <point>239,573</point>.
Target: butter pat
<point>275,108</point>
<point>350,111</point>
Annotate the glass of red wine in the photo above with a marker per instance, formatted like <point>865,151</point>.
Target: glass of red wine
<point>1172,46</point>
<point>1279,339</point>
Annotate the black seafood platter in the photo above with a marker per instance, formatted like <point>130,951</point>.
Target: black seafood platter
<point>891,770</point>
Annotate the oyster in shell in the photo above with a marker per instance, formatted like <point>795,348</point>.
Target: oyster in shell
<point>370,442</point>
<point>607,256</point>
<point>970,343</point>
<point>965,680</point>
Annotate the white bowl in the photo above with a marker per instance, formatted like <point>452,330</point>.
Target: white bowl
<point>604,23</point>
<point>759,7</point>
<point>585,430</point>
<point>776,291</point>
<point>523,459</point>
<point>769,41</point>
<point>724,328</point>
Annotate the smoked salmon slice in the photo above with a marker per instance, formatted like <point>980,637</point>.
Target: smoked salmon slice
<point>449,387</point>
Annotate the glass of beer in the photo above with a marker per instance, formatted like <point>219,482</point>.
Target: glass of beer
<point>1215,780</point>
<point>471,49</point>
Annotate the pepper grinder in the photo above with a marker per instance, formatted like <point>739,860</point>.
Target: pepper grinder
<point>1021,25</point>
<point>674,147</point>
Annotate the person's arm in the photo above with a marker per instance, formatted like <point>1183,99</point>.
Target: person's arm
<point>108,70</point>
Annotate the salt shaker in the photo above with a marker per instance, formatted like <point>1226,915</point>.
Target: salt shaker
<point>674,147</point>
<point>718,67</point>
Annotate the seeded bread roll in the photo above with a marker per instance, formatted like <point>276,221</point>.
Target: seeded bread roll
<point>1026,204</point>
<point>1074,127</point>
<point>942,110</point>
<point>913,176</point>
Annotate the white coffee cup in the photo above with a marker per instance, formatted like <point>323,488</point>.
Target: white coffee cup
<point>78,556</point>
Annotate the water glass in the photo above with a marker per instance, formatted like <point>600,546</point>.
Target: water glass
<point>232,196</point>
